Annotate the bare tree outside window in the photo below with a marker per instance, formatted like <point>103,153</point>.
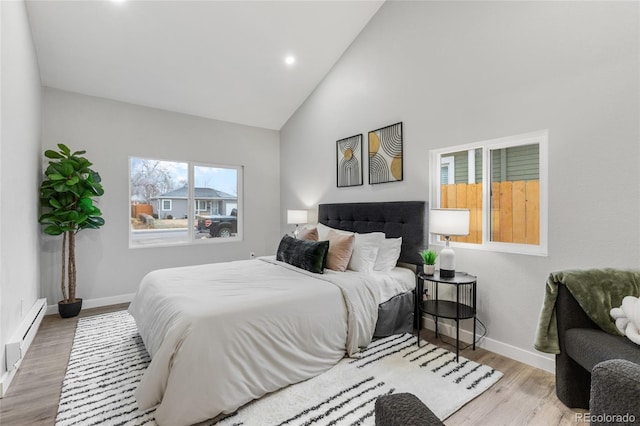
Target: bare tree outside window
<point>150,178</point>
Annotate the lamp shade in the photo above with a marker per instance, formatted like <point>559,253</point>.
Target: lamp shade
<point>449,221</point>
<point>297,216</point>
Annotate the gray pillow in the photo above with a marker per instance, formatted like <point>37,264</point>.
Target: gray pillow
<point>308,255</point>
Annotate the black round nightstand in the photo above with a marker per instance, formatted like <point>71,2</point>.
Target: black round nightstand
<point>464,306</point>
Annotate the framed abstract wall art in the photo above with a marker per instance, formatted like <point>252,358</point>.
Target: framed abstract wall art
<point>385,154</point>
<point>349,161</point>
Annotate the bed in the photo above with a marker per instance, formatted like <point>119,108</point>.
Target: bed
<point>404,219</point>
<point>221,335</point>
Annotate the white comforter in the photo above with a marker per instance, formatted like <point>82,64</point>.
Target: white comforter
<point>221,335</point>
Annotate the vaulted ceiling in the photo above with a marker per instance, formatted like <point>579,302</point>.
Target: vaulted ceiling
<point>217,59</point>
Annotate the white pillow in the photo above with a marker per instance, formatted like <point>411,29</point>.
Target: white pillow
<point>388,254</point>
<point>323,231</point>
<point>365,251</point>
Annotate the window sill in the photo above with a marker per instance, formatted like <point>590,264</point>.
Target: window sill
<point>194,242</point>
<point>521,249</point>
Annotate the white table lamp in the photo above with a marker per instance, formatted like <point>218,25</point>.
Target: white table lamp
<point>297,217</point>
<point>448,223</point>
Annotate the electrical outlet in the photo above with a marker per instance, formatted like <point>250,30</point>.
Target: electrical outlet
<point>252,255</point>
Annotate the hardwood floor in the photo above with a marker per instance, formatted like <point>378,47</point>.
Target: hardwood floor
<point>524,396</point>
<point>33,396</point>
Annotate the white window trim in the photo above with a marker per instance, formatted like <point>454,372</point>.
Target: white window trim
<point>471,164</point>
<point>542,139</point>
<point>162,200</point>
<point>191,240</point>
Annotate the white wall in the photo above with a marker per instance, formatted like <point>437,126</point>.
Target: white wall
<point>20,98</point>
<point>112,131</point>
<point>456,73</point>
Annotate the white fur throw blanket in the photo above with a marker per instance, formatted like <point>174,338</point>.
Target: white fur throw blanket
<point>627,318</point>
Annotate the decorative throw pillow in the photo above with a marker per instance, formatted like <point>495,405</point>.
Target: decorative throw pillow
<point>388,254</point>
<point>308,255</point>
<point>365,251</point>
<point>340,249</point>
<point>310,234</point>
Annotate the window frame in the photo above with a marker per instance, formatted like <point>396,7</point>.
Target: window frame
<point>197,206</point>
<point>162,200</point>
<point>191,216</point>
<point>539,137</point>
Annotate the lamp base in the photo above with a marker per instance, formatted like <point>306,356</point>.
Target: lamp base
<point>447,262</point>
<point>447,273</point>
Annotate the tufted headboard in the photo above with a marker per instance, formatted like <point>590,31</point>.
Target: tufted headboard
<point>404,219</point>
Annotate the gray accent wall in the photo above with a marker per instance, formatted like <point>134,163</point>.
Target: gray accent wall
<point>20,100</point>
<point>462,72</point>
<point>113,131</point>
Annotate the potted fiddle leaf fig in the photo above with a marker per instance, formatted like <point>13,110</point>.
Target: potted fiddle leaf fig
<point>429,258</point>
<point>67,199</point>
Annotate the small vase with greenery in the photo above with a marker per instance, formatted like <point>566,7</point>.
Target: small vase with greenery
<point>429,257</point>
<point>67,199</point>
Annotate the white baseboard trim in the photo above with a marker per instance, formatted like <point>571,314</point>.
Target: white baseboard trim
<point>96,303</point>
<point>527,357</point>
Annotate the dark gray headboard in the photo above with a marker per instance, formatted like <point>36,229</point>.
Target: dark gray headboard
<point>404,219</point>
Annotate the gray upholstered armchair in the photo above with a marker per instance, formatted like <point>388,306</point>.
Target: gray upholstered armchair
<point>615,393</point>
<point>594,369</point>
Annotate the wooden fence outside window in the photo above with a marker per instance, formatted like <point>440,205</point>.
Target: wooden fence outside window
<point>137,209</point>
<point>515,210</point>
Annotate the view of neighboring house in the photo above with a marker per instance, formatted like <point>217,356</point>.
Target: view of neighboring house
<point>208,201</point>
<point>520,163</point>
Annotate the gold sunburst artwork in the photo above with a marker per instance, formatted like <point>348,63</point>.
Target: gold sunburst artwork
<point>385,154</point>
<point>349,152</point>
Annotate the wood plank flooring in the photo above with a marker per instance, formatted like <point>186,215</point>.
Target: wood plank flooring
<point>34,394</point>
<point>524,396</point>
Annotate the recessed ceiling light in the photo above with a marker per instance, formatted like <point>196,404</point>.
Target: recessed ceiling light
<point>290,60</point>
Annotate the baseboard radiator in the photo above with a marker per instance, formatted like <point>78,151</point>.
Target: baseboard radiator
<point>17,346</point>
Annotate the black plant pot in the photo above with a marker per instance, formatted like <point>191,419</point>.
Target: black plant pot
<point>70,310</point>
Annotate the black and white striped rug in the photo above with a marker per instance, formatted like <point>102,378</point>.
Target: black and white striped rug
<point>108,360</point>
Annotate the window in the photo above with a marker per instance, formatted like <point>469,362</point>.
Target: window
<point>203,206</point>
<point>509,212</point>
<point>180,203</point>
